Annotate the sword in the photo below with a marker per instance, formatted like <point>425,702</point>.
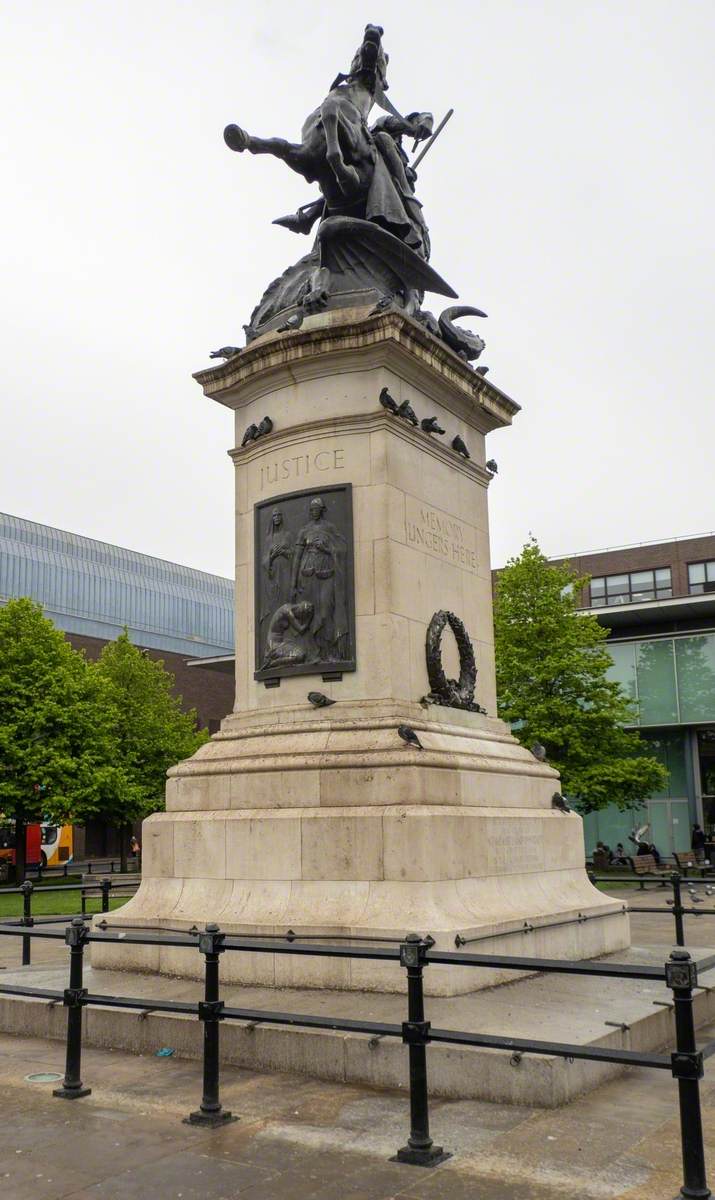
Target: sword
<point>416,162</point>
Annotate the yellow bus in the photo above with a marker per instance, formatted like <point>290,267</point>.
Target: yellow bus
<point>56,845</point>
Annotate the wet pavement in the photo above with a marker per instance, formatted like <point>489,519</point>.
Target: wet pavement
<point>299,1139</point>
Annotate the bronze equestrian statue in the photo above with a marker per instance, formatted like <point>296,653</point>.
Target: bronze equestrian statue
<point>372,244</point>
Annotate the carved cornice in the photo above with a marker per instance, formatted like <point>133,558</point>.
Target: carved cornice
<point>360,423</point>
<point>349,340</point>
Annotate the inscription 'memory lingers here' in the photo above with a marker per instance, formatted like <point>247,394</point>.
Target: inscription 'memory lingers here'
<point>300,466</point>
<point>440,535</point>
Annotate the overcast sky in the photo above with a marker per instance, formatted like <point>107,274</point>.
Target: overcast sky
<point>571,197</point>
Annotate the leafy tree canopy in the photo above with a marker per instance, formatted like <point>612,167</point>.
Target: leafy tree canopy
<point>553,686</point>
<point>58,749</point>
<point>153,731</point>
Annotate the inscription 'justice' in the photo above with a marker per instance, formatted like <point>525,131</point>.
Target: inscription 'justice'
<point>441,536</point>
<point>301,466</point>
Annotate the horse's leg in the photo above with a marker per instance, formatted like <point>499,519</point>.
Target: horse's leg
<point>290,153</point>
<point>347,177</point>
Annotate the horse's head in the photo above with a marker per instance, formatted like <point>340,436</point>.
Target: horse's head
<point>370,61</point>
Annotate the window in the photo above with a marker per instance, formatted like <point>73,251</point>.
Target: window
<point>634,588</point>
<point>701,577</point>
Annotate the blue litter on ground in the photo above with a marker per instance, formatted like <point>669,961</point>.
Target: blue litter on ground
<point>165,1052</point>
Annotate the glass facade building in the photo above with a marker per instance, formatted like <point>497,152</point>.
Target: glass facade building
<point>95,589</point>
<point>658,602</point>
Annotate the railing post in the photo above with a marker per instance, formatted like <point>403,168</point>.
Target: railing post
<point>678,909</point>
<point>210,1112</point>
<point>27,888</point>
<point>681,975</point>
<point>420,1150</point>
<point>76,936</point>
<point>105,885</point>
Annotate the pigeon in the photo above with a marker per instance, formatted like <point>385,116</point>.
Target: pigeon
<point>481,371</point>
<point>225,352</point>
<point>382,306</point>
<point>409,737</point>
<point>407,413</point>
<point>387,402</point>
<point>557,801</point>
<point>250,435</point>
<point>318,700</point>
<point>539,752</point>
<point>292,323</point>
<point>265,426</point>
<point>459,446</point>
<point>492,466</point>
<point>429,424</point>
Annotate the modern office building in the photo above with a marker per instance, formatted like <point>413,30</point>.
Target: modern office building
<point>91,590</point>
<point>658,601</point>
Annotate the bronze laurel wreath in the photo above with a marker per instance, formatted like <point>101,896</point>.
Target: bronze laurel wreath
<point>451,693</point>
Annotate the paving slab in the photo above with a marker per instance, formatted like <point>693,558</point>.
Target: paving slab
<point>301,1139</point>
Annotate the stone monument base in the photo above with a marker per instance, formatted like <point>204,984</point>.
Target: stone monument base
<point>328,824</point>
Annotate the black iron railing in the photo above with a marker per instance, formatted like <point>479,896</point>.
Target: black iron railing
<point>675,906</point>
<point>28,890</point>
<point>87,866</point>
<point>680,973</point>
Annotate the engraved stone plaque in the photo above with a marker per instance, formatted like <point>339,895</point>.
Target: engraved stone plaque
<point>304,583</point>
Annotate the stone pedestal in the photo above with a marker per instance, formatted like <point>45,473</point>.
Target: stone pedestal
<point>324,820</point>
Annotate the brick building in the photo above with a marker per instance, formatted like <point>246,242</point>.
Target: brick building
<point>91,590</point>
<point>658,601</point>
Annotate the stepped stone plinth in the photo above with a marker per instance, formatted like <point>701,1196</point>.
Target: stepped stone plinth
<point>354,527</point>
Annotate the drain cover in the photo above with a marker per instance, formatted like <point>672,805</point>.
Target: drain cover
<point>43,1077</point>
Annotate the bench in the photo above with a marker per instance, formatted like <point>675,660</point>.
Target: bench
<point>688,862</point>
<point>645,864</point>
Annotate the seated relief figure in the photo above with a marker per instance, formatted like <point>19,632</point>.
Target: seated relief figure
<point>287,633</point>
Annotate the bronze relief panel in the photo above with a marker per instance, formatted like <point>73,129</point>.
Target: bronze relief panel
<point>304,583</point>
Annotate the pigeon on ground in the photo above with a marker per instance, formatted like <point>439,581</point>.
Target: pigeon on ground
<point>491,465</point>
<point>225,352</point>
<point>407,413</point>
<point>539,752</point>
<point>557,801</point>
<point>265,426</point>
<point>250,435</point>
<point>387,402</point>
<point>459,446</point>
<point>429,424</point>
<point>409,737</point>
<point>318,700</point>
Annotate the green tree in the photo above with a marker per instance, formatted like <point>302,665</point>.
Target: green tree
<point>153,731</point>
<point>553,686</point>
<point>58,748</point>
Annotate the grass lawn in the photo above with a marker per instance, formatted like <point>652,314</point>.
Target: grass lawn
<point>69,901</point>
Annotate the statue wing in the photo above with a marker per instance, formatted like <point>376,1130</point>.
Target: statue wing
<point>412,270</point>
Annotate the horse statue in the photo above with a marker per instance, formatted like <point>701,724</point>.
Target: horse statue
<point>372,241</point>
